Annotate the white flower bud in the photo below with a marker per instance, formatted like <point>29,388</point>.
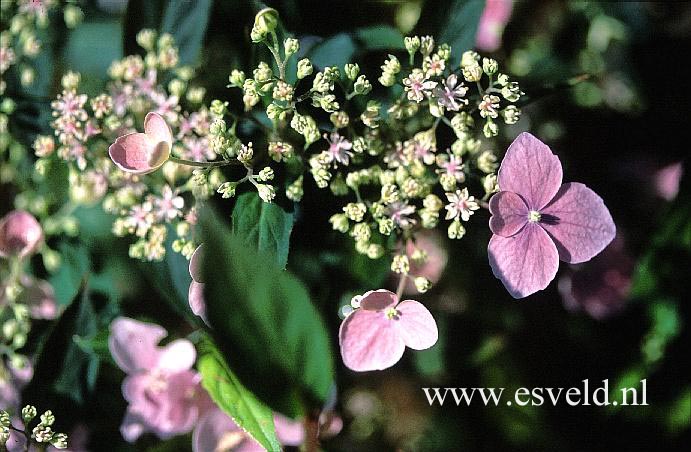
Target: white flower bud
<point>422,284</point>
<point>266,192</point>
<point>305,68</point>
<point>291,46</point>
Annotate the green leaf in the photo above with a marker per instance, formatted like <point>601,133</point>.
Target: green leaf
<point>234,399</point>
<point>380,37</point>
<point>334,51</point>
<point>264,227</point>
<point>461,27</point>
<point>187,22</point>
<point>171,278</point>
<point>74,266</point>
<point>264,321</point>
<point>61,365</point>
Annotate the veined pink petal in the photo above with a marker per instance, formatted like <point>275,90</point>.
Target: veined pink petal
<point>509,213</point>
<point>133,153</point>
<point>196,299</point>
<point>531,170</point>
<point>142,153</point>
<point>525,262</point>
<point>177,356</point>
<point>370,341</point>
<point>376,300</point>
<point>181,413</point>
<point>416,326</point>
<point>579,222</point>
<point>133,344</point>
<point>196,264</point>
<point>20,234</point>
<point>157,128</point>
<point>288,431</point>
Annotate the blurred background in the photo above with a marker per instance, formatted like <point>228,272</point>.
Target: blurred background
<point>605,89</point>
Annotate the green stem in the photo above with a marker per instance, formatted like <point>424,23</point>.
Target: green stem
<point>274,48</point>
<point>180,161</point>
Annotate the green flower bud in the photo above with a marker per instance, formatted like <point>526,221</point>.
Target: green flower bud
<point>218,108</point>
<point>469,58</point>
<point>511,114</point>
<point>59,441</point>
<point>426,45</point>
<point>490,66</point>
<point>339,222</point>
<point>236,78</point>
<point>472,73</point>
<point>73,15</point>
<point>422,284</point>
<point>362,86</point>
<point>266,174</point>
<point>265,22</point>
<point>490,129</point>
<point>291,46</point>
<point>266,192</point>
<point>304,68</point>
<point>400,264</point>
<point>456,230</point>
<point>146,38</point>
<point>352,71</point>
<point>339,119</point>
<point>412,44</point>
<point>375,251</point>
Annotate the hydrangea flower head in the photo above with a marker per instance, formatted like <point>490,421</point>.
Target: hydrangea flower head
<point>375,335</point>
<point>142,153</point>
<point>537,221</point>
<point>20,234</point>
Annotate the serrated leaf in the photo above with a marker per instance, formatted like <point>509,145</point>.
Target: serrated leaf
<point>234,398</point>
<point>263,318</point>
<point>265,227</point>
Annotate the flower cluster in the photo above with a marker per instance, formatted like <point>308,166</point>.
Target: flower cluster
<point>22,296</point>
<point>40,436</point>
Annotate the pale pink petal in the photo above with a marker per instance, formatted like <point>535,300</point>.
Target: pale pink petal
<point>525,262</point>
<point>369,341</point>
<point>416,326</point>
<point>134,389</point>
<point>177,356</point>
<point>196,264</point>
<point>20,234</point>
<point>157,128</point>
<point>216,431</point>
<point>531,170</point>
<point>491,25</point>
<point>667,181</point>
<point>181,413</point>
<point>133,344</point>
<point>376,300</point>
<point>137,153</point>
<point>132,427</point>
<point>579,222</point>
<point>196,299</point>
<point>509,213</point>
<point>288,431</point>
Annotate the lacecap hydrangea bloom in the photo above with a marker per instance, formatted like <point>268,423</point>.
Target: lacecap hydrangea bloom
<point>537,221</point>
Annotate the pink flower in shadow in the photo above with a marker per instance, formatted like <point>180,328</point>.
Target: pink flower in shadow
<point>430,242</point>
<point>494,18</point>
<point>667,181</point>
<point>537,221</point>
<point>20,234</point>
<point>601,286</point>
<point>163,391</point>
<point>142,153</point>
<point>374,336</point>
<point>216,431</point>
